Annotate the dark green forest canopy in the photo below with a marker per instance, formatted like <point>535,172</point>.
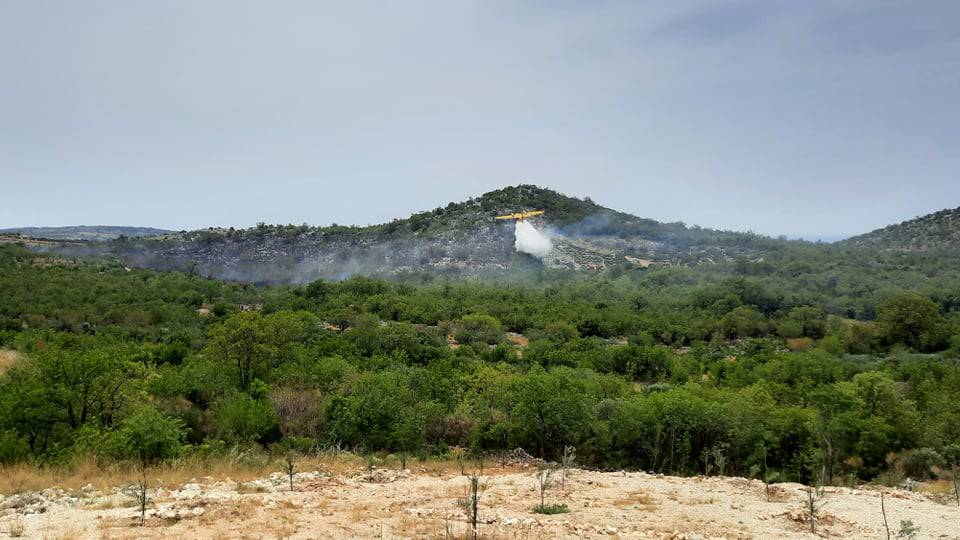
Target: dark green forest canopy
<point>817,362</point>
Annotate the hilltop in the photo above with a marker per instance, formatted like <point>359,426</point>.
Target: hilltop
<point>461,237</point>
<point>938,231</point>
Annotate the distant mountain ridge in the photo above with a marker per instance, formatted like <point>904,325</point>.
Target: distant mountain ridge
<point>932,232</point>
<point>95,233</point>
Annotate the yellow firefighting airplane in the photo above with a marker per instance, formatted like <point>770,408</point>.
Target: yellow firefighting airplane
<point>520,216</point>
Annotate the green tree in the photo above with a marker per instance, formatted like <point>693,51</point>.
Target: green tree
<point>551,409</point>
<point>909,319</point>
<point>476,328</point>
<point>252,345</point>
<point>240,418</point>
<point>148,436</point>
<point>76,386</point>
<point>804,321</point>
<point>742,322</point>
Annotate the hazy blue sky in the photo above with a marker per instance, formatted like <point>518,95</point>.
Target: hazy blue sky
<point>797,117</point>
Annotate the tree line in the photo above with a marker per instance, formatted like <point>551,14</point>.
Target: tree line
<point>735,370</point>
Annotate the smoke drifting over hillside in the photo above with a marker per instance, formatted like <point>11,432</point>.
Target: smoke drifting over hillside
<point>459,239</point>
<point>529,240</point>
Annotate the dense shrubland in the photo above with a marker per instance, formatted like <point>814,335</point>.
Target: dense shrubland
<point>812,365</point>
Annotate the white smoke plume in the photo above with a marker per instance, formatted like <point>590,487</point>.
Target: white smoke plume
<point>529,240</point>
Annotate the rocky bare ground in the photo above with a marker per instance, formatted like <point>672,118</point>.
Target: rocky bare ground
<point>421,504</point>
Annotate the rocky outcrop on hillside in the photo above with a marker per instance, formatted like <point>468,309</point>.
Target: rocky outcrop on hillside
<point>303,257</point>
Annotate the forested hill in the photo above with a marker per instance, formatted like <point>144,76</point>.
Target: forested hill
<point>459,238</point>
<point>939,231</point>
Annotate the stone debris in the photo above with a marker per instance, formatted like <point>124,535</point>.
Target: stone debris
<point>277,481</point>
<point>518,457</point>
<point>385,476</point>
<point>23,503</point>
<point>174,512</point>
<point>188,491</point>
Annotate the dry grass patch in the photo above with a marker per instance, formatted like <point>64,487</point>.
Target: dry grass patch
<point>109,503</point>
<point>220,534</point>
<point>16,528</point>
<point>777,494</point>
<point>7,359</point>
<point>415,527</point>
<point>283,525</point>
<point>281,532</point>
<point>237,467</point>
<point>26,477</point>
<point>244,488</point>
<point>495,500</point>
<point>359,512</point>
<point>324,506</point>
<point>440,468</point>
<point>233,511</point>
<point>453,491</point>
<point>337,464</point>
<point>637,499</point>
<point>940,490</point>
<point>71,534</point>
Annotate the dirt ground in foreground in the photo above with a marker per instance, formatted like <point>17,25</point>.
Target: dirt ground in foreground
<point>401,504</point>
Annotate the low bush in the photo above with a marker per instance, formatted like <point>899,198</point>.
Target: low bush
<point>550,509</point>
